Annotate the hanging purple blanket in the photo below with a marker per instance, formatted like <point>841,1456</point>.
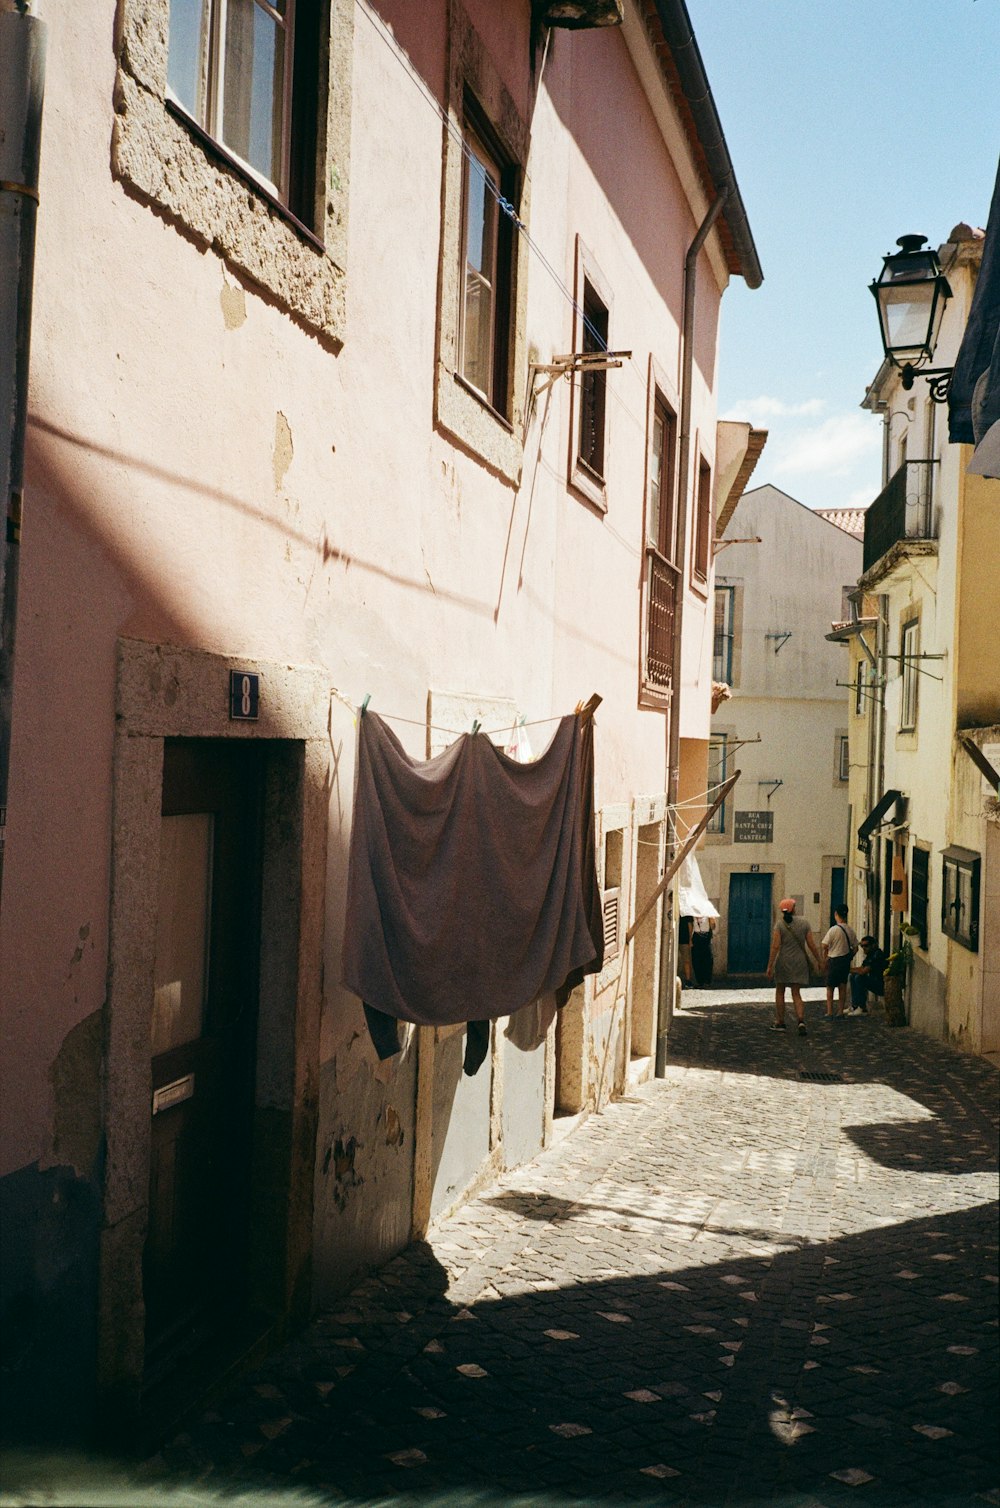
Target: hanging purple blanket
<point>472,887</point>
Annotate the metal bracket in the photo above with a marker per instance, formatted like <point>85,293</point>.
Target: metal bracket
<point>774,784</point>
<point>781,637</point>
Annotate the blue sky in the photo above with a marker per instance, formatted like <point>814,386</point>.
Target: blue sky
<point>849,124</point>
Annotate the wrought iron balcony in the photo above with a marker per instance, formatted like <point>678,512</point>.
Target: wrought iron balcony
<point>904,509</point>
<point>661,603</point>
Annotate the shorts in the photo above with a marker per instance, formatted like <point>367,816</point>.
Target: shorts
<point>838,969</point>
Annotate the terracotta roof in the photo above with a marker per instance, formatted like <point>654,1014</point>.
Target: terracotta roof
<point>851,520</point>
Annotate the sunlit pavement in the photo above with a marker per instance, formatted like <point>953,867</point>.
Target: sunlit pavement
<point>770,1278</point>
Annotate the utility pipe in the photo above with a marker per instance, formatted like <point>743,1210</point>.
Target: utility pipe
<point>22,86</point>
<point>668,967</point>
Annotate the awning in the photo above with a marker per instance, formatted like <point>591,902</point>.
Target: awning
<point>875,816</point>
<point>691,892</point>
<point>974,393</point>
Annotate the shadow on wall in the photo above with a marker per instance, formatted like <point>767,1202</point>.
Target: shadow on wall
<point>88,577</point>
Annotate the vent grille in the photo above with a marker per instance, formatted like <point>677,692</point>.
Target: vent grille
<point>821,1078</point>
<point>611,930</point>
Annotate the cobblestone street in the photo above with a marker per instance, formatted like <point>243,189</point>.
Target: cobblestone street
<point>768,1279</point>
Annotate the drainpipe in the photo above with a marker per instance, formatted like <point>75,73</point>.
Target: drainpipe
<point>668,942</point>
<point>22,82</point>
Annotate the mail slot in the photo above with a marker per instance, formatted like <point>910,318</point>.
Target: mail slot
<point>173,1094</point>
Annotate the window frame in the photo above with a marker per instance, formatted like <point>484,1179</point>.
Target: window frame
<point>728,617</point>
<point>478,97</point>
<point>843,757</point>
<point>960,862</point>
<point>920,890</point>
<point>595,331</point>
<point>215,69</point>
<point>860,689</point>
<point>908,674</point>
<point>168,161</point>
<point>659,542</point>
<point>582,476</point>
<point>701,534</point>
<point>477,132</point>
<point>717,825</point>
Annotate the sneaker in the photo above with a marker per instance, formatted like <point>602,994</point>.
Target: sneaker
<point>852,1010</point>
<point>802,1029</point>
<point>777,1026</point>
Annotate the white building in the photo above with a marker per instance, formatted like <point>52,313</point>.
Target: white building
<point>783,829</point>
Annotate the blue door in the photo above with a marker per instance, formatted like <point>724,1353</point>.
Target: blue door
<point>749,923</point>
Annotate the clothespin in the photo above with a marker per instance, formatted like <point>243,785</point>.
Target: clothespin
<point>476,726</point>
<point>364,704</point>
<point>588,708</point>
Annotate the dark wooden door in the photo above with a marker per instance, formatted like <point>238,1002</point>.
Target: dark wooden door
<point>749,923</point>
<point>203,1042</point>
<point>836,889</point>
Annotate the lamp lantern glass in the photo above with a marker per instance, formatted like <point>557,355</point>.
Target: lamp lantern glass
<point>911,293</point>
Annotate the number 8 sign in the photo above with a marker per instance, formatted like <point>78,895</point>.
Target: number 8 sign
<point>244,695</point>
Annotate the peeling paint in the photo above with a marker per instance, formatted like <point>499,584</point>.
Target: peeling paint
<point>75,1077</point>
<point>339,1164</point>
<point>234,305</point>
<point>393,1128</point>
<point>283,448</point>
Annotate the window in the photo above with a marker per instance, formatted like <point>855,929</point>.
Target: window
<point>661,571</point>
<point>703,523</point>
<point>909,647</point>
<point>235,67</point>
<point>861,689</point>
<point>843,757</point>
<point>593,385</point>
<point>722,650</point>
<point>717,754</point>
<point>960,897</point>
<point>487,241</point>
<point>481,353</point>
<point>920,891</point>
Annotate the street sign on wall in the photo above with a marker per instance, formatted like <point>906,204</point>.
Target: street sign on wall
<point>753,827</point>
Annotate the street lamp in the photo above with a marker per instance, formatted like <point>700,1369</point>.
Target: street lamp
<point>911,293</point>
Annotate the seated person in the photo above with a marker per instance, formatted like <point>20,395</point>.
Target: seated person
<point>867,976</point>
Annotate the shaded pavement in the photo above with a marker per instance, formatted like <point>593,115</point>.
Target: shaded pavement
<point>770,1278</point>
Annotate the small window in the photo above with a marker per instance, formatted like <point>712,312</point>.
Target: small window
<point>593,385</point>
<point>660,530</point>
<point>717,758</point>
<point>960,897</point>
<point>909,649</point>
<point>722,644</point>
<point>484,329</point>
<point>861,690</point>
<point>920,891</point>
<point>703,523</point>
<point>843,757</point>
<point>661,546</point>
<point>614,847</point>
<point>244,71</point>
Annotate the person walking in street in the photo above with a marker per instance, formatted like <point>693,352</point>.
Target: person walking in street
<point>839,947</point>
<point>684,951</point>
<point>788,964</point>
<point>867,976</point>
<point>701,950</point>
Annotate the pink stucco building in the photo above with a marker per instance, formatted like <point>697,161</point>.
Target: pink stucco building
<point>307,404</point>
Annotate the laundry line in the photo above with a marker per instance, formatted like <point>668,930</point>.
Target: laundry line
<point>414,722</point>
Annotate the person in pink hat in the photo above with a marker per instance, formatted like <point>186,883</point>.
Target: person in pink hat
<point>788,964</point>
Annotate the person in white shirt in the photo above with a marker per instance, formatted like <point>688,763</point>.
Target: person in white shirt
<point>839,947</point>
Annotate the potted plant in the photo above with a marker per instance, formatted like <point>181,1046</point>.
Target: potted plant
<point>896,967</point>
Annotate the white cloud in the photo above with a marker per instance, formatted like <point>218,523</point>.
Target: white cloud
<point>756,410</point>
<point>832,447</point>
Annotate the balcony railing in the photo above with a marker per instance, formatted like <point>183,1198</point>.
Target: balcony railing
<point>904,509</point>
<point>662,600</point>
